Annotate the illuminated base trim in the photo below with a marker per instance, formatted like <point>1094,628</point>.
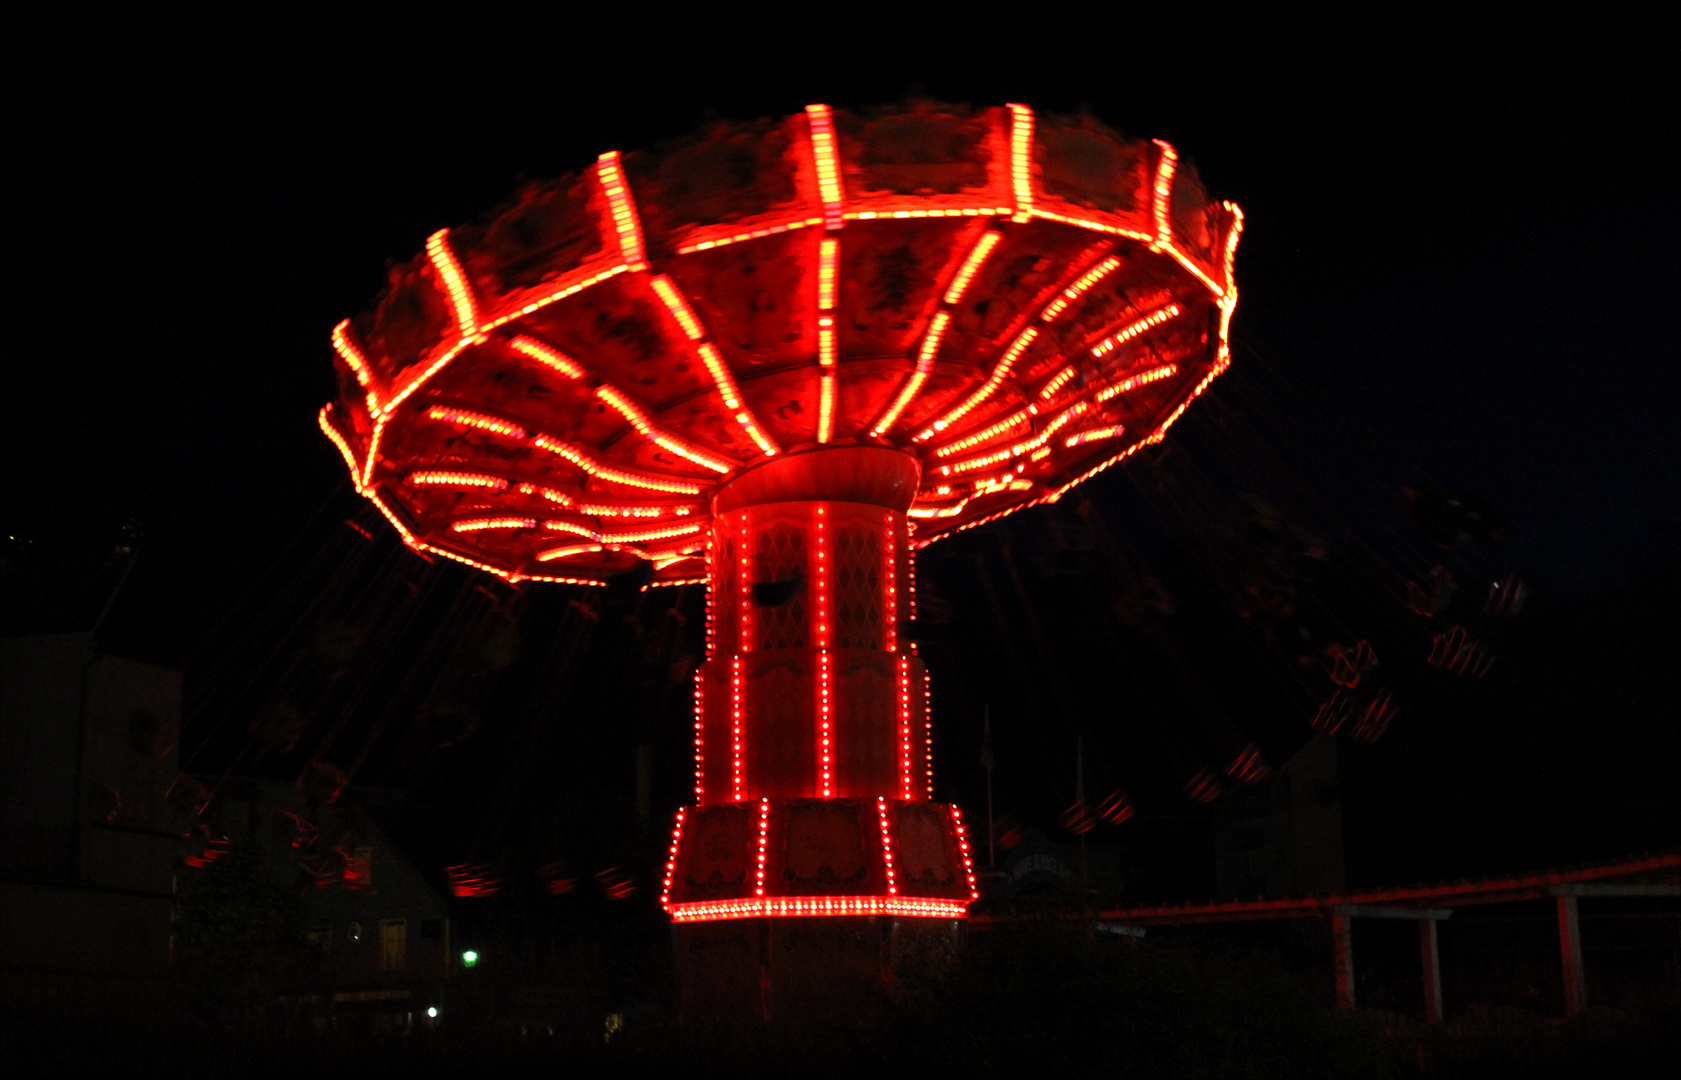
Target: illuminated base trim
<point>790,906</point>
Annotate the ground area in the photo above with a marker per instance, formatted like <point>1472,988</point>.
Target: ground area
<point>1053,1001</point>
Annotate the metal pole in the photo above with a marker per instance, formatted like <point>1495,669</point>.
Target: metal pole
<point>1431,959</point>
<point>1340,923</point>
<point>1570,948</point>
<point>987,762</point>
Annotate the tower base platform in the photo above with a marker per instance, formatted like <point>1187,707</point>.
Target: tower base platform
<point>833,971</point>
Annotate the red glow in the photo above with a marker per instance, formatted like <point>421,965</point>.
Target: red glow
<point>725,382</point>
<point>471,879</point>
<point>664,532</point>
<point>764,845</point>
<point>828,258</point>
<point>999,374</point>
<point>1132,330</point>
<point>1073,292</point>
<point>825,726</point>
<point>623,208</point>
<point>548,357</point>
<point>827,160</point>
<point>927,734</point>
<point>477,524</point>
<point>678,306</point>
<point>738,781</point>
<point>455,283</point>
<point>825,714</point>
<point>887,847</point>
<point>1058,381</point>
<point>457,479</point>
<point>647,429</point>
<point>606,472</point>
<point>907,781</point>
<point>1021,160</point>
<point>926,212</point>
<point>826,408</point>
<point>890,587</point>
<point>700,740</point>
<point>751,234</point>
<point>354,360</point>
<point>1114,431</point>
<point>567,552</point>
<point>476,420</point>
<point>806,906</point>
<point>671,863</point>
<point>971,266</point>
<point>1077,409</point>
<point>963,846</point>
<point>332,433</point>
<point>1015,423</point>
<point>912,386</point>
<point>1133,382</point>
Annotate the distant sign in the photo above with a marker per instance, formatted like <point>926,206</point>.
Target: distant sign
<point>1036,861</point>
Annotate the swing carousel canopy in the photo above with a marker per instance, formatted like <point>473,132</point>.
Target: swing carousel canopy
<point>1015,302</point>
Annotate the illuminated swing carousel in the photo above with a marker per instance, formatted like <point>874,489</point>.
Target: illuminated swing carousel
<point>778,358</point>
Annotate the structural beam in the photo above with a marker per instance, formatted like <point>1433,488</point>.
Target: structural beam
<point>1344,942</point>
<point>1638,889</point>
<point>1431,964</point>
<point>1570,949</point>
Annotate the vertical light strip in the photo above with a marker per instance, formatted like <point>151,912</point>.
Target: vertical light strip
<point>886,847</point>
<point>927,733</point>
<point>828,256</point>
<point>623,209</point>
<point>924,364</point>
<point>671,863</point>
<point>910,574</point>
<point>931,340</point>
<point>826,407</point>
<point>358,364</point>
<point>823,627</point>
<point>338,440</point>
<point>700,739</point>
<point>827,158</point>
<point>461,300</point>
<point>971,266</point>
<point>1163,188</point>
<point>744,586</point>
<point>711,593</point>
<point>764,844</point>
<point>678,305</point>
<point>1075,291</point>
<point>825,727</point>
<point>890,584</point>
<point>684,314</point>
<point>1228,264</point>
<point>737,785</point>
<point>547,356</point>
<point>373,450</point>
<point>725,382</point>
<point>963,846</point>
<point>1000,372</point>
<point>906,783</point>
<point>825,710</point>
<point>1021,160</point>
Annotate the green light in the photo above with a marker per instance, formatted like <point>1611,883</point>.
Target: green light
<point>469,958</point>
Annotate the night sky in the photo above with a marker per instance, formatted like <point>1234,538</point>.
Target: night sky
<point>1460,261</point>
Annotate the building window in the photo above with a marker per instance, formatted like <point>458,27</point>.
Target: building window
<point>393,944</point>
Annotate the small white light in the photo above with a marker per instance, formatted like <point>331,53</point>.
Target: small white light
<point>432,1012</point>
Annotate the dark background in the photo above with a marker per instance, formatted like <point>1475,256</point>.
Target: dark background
<point>1459,268</point>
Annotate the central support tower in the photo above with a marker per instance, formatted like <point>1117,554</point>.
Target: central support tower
<point>813,856</point>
